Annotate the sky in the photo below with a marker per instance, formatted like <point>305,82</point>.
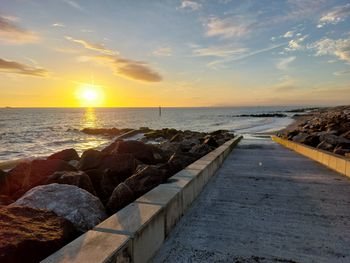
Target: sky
<point>121,53</point>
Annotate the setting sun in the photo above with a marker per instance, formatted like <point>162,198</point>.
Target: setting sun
<point>90,95</point>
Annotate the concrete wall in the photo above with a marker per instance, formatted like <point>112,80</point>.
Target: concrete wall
<point>333,161</point>
<point>136,232</point>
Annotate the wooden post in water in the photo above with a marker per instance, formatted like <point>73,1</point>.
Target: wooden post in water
<point>160,111</point>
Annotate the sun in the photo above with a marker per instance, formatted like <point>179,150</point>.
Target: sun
<point>90,95</point>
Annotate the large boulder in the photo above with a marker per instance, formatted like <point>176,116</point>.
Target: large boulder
<point>140,183</point>
<point>30,235</point>
<point>90,159</point>
<point>200,150</point>
<point>76,205</point>
<point>111,171</point>
<point>121,197</point>
<point>145,179</point>
<point>65,155</point>
<point>27,175</point>
<point>143,152</point>
<point>210,141</point>
<point>77,178</point>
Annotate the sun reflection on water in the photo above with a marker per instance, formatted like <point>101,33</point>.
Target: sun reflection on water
<point>89,118</point>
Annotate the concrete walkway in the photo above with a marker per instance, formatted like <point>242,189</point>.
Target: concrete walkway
<point>266,204</point>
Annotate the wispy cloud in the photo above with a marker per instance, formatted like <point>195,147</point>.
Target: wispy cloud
<point>190,5</point>
<point>219,51</point>
<point>232,26</point>
<point>337,15</point>
<point>7,66</point>
<point>11,33</point>
<point>341,73</point>
<point>132,69</point>
<point>245,55</point>
<point>339,48</point>
<point>58,25</point>
<point>296,44</point>
<point>283,63</point>
<point>288,34</point>
<point>92,46</point>
<point>163,52</point>
<point>73,4</point>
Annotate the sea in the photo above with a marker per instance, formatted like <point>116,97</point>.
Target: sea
<point>39,132</point>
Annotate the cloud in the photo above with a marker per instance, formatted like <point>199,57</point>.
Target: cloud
<point>284,63</point>
<point>10,33</point>
<point>132,69</point>
<point>341,73</point>
<point>296,44</point>
<point>288,34</point>
<point>233,26</point>
<point>245,55</point>
<point>73,4</point>
<point>225,51</point>
<point>339,48</point>
<point>58,25</point>
<point>337,15</point>
<point>190,5</point>
<point>8,66</point>
<point>92,46</point>
<point>163,52</point>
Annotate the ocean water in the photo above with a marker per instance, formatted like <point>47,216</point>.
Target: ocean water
<point>34,132</point>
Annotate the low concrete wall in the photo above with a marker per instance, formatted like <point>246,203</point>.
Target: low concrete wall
<point>333,161</point>
<point>136,232</point>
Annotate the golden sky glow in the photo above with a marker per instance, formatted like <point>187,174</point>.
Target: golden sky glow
<point>174,53</point>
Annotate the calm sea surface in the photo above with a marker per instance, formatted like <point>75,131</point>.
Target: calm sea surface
<point>39,132</point>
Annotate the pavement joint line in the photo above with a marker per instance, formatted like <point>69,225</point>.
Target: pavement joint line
<point>113,231</point>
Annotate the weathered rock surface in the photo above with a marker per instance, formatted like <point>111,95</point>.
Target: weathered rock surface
<point>77,178</point>
<point>327,129</point>
<point>65,155</point>
<point>140,183</point>
<point>30,235</point>
<point>141,151</point>
<point>76,205</point>
<point>121,197</point>
<point>27,175</point>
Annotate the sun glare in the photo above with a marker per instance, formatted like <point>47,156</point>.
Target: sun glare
<point>90,95</point>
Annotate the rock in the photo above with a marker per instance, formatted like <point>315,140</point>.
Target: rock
<point>76,205</point>
<point>90,159</point>
<point>341,151</point>
<point>141,151</point>
<point>176,163</point>
<point>346,135</point>
<point>121,197</point>
<point>200,150</point>
<point>78,178</point>
<point>347,155</point>
<point>65,155</point>
<point>300,137</point>
<point>333,139</point>
<point>30,235</point>
<point>325,146</point>
<point>145,179</point>
<point>111,171</point>
<point>5,200</point>
<point>210,141</point>
<point>27,175</point>
<point>312,140</point>
<point>176,138</point>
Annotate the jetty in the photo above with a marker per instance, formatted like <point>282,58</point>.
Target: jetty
<point>254,199</point>
<point>265,204</point>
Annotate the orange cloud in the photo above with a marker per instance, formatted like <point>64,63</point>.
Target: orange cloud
<point>10,33</point>
<point>7,66</point>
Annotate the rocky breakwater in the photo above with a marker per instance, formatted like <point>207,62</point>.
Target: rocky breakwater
<point>70,194</point>
<point>327,129</point>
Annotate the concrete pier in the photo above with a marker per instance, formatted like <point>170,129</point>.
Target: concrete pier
<point>265,204</point>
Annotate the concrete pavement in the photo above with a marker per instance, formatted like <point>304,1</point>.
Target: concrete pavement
<point>265,204</point>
